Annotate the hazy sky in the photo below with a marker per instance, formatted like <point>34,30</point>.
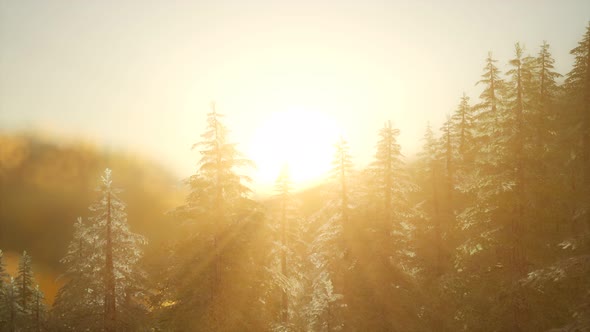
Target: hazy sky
<point>139,75</point>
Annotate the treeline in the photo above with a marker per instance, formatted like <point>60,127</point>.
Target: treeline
<point>487,231</point>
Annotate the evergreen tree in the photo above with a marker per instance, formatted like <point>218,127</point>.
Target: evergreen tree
<point>312,254</point>
<point>518,137</point>
<point>13,309</point>
<point>103,274</point>
<point>448,151</point>
<point>222,221</point>
<point>391,243</point>
<point>322,308</point>
<point>543,118</point>
<point>434,236</point>
<point>119,251</point>
<point>463,128</point>
<point>430,170</point>
<point>392,182</point>
<point>38,310</point>
<point>487,110</point>
<point>25,287</point>
<point>559,285</point>
<point>577,85</point>
<point>544,99</point>
<point>78,303</point>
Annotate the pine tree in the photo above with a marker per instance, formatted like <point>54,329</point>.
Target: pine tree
<point>519,102</point>
<point>38,310</point>
<point>463,128</point>
<point>25,287</point>
<point>386,166</point>
<point>448,151</point>
<point>481,217</point>
<point>392,234</point>
<point>545,117</point>
<point>119,251</point>
<point>221,219</point>
<point>431,170</point>
<point>488,113</point>
<point>434,238</point>
<point>309,249</point>
<point>544,158</point>
<point>78,302</point>
<point>577,86</point>
<point>321,311</point>
<point>12,306</point>
<point>103,277</point>
<point>393,183</point>
<point>562,284</point>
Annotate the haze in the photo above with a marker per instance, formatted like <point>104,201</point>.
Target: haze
<point>139,76</point>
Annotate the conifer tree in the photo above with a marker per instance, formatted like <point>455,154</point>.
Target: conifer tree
<point>78,302</point>
<point>463,128</point>
<point>577,86</point>
<point>393,227</point>
<point>545,117</point>
<point>103,275</point>
<point>517,137</point>
<point>488,109</point>
<point>118,251</point>
<point>393,183</point>
<point>25,287</point>
<point>563,282</point>
<point>386,166</point>
<point>38,310</point>
<point>322,310</point>
<point>12,308</point>
<point>448,151</point>
<point>221,217</point>
<point>433,233</point>
<point>310,249</point>
<point>431,170</point>
<point>518,102</point>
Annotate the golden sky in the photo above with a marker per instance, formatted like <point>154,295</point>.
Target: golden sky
<point>139,75</point>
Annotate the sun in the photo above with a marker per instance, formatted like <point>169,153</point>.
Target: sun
<point>300,139</point>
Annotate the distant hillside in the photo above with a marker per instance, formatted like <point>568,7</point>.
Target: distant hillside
<point>45,185</point>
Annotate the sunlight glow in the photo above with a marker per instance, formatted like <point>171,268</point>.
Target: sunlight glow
<point>300,138</point>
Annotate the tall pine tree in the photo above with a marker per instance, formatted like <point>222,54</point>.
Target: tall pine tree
<point>104,283</point>
<point>25,287</point>
<point>221,220</point>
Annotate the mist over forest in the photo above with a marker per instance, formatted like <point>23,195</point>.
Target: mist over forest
<point>486,228</point>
